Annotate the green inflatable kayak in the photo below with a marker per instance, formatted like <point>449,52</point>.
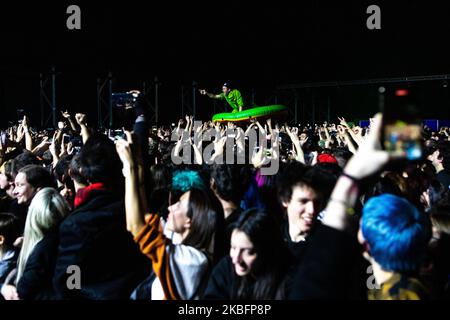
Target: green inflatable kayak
<point>253,113</point>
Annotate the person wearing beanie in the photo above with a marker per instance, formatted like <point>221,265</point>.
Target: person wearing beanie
<point>232,96</point>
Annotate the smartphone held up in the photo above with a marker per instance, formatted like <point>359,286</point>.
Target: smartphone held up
<point>402,123</point>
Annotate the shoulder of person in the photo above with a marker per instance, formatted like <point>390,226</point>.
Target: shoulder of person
<point>51,238</point>
<point>188,255</point>
<point>96,209</point>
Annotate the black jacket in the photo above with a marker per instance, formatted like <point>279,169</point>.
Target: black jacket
<point>444,178</point>
<point>94,238</point>
<point>221,281</point>
<point>229,227</point>
<point>36,280</point>
<point>297,249</point>
<point>20,211</point>
<point>332,268</point>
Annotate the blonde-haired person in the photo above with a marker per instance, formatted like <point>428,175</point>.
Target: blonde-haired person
<point>38,255</point>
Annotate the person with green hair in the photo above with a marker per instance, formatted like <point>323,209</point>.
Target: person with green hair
<point>183,180</point>
<point>181,268</point>
<point>232,96</point>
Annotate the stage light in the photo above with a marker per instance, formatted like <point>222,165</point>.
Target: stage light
<point>401,93</point>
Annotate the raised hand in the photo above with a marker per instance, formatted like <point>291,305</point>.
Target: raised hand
<point>297,144</point>
<point>52,149</point>
<point>25,122</point>
<point>219,145</point>
<point>69,148</point>
<point>124,149</point>
<point>80,118</point>
<point>135,93</point>
<point>63,149</point>
<point>65,114</point>
<point>261,129</point>
<point>303,139</point>
<point>341,130</point>
<point>199,129</point>
<point>250,126</point>
<point>258,158</point>
<point>314,154</point>
<point>369,158</point>
<point>43,142</point>
<point>292,135</point>
<point>343,122</point>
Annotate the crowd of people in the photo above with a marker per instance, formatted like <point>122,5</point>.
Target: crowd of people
<point>87,213</point>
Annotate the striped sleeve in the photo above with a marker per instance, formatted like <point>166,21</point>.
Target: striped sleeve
<point>179,268</point>
<point>153,243</point>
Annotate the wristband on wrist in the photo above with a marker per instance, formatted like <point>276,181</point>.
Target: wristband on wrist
<point>355,180</point>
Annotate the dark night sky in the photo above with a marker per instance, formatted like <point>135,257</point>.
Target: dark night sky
<point>259,45</point>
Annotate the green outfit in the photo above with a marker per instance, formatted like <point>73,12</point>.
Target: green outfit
<point>234,99</point>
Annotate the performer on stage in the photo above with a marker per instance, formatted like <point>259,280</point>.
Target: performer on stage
<point>232,96</point>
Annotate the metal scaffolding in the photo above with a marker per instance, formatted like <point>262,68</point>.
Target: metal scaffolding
<point>152,101</point>
<point>189,99</point>
<point>104,101</point>
<point>47,98</point>
<point>380,81</point>
<point>312,110</point>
